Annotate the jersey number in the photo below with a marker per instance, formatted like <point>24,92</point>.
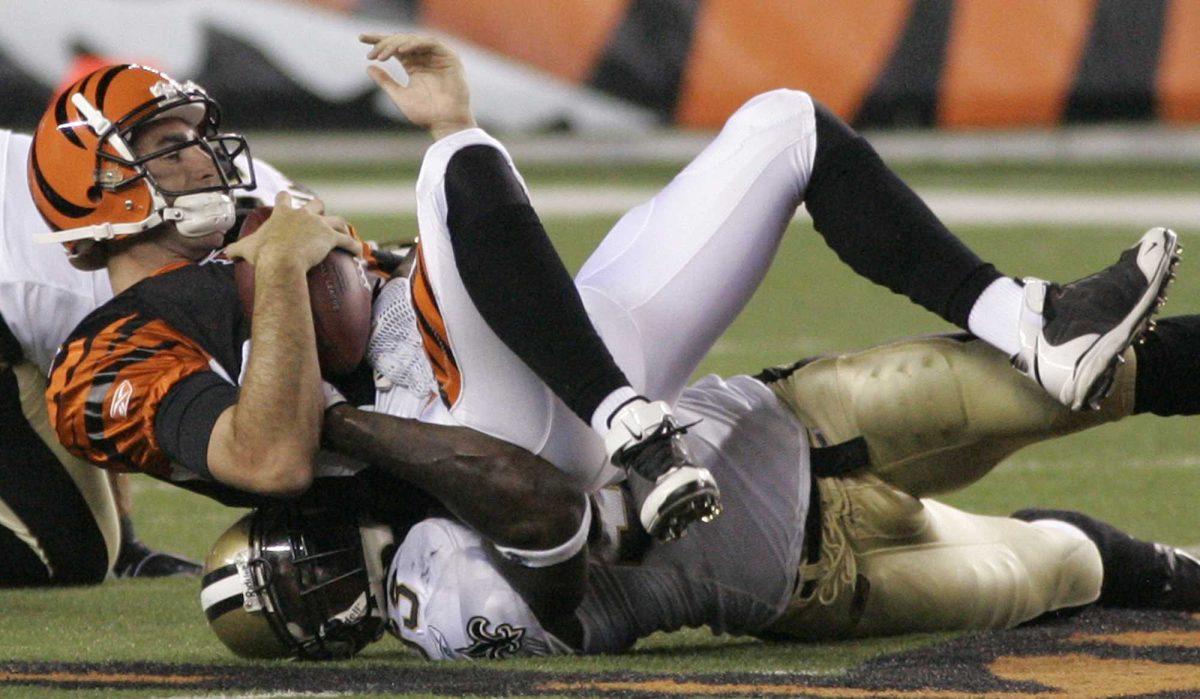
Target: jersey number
<point>401,590</point>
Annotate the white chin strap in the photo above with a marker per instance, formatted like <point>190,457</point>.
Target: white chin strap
<point>194,215</point>
<point>198,215</point>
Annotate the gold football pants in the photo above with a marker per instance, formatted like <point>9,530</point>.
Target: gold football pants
<point>936,414</point>
<point>58,517</point>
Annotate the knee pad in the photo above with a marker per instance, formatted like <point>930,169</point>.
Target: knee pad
<point>769,108</point>
<point>1075,562</point>
<point>780,100</point>
<point>936,413</point>
<point>1081,577</point>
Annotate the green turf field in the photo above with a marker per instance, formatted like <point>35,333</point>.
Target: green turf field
<point>1141,474</point>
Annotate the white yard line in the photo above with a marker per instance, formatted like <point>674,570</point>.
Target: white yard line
<point>955,207</point>
<point>1187,464</point>
<point>1066,145</point>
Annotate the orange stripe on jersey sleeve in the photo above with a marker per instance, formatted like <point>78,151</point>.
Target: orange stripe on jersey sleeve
<point>1012,62</point>
<point>434,338</point>
<point>1179,69</point>
<point>105,391</point>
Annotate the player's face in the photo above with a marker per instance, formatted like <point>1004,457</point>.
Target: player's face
<point>179,171</point>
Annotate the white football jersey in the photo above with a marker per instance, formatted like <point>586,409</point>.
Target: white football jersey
<point>446,597</point>
<point>42,297</point>
<point>447,600</point>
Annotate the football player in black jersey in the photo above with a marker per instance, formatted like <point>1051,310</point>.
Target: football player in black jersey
<point>130,168</point>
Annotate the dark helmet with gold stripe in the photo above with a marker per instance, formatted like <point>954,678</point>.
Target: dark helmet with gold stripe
<point>283,583</point>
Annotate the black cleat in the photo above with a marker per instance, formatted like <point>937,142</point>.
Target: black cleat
<point>1072,336</point>
<point>1182,589</point>
<point>136,560</point>
<point>670,490</point>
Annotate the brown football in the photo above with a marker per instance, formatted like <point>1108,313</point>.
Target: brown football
<point>340,295</point>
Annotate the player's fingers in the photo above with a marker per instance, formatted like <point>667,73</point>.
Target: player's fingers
<point>386,50</point>
<point>403,46</point>
<point>283,200</point>
<point>385,81</point>
<point>239,250</point>
<point>301,196</point>
<point>314,206</point>
<point>387,47</point>
<point>347,242</point>
<point>337,223</point>
<point>376,41</point>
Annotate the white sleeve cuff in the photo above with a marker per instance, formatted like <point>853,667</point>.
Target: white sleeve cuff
<point>558,554</point>
<point>433,166</point>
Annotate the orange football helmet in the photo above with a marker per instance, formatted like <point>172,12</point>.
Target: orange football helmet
<point>89,185</point>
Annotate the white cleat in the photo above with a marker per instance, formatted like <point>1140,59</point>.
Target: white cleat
<point>670,490</point>
<point>1072,336</point>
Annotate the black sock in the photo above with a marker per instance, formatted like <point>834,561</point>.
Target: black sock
<point>128,535</point>
<point>131,552</point>
<point>518,283</point>
<point>880,228</point>
<point>1137,574</point>
<point>1168,368</point>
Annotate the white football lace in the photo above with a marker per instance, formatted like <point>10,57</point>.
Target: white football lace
<point>395,350</point>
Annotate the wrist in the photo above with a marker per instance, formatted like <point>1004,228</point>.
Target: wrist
<point>443,129</point>
<point>334,422</point>
<point>278,262</point>
<point>331,396</point>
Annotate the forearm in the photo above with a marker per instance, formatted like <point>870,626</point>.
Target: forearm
<point>278,413</point>
<point>505,493</point>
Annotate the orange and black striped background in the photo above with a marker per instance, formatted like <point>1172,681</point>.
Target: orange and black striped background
<point>882,63</point>
<point>972,63</point>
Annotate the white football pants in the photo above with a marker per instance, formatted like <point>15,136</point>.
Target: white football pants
<point>660,289</point>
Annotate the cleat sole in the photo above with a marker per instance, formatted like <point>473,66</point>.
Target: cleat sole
<point>695,500</point>
<point>1144,324</point>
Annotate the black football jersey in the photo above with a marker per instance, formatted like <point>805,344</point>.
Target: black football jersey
<point>123,362</point>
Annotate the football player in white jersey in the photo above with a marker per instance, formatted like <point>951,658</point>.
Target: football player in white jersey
<point>490,294</point>
<point>658,312</point>
<point>62,521</point>
<point>804,552</point>
<point>829,530</point>
<point>487,282</point>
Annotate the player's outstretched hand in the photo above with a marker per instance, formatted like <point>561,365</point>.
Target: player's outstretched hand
<point>300,236</point>
<point>436,97</point>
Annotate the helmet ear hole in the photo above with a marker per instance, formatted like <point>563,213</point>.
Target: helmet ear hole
<point>95,194</point>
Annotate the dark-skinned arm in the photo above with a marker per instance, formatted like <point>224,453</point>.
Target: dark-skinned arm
<point>508,495</point>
